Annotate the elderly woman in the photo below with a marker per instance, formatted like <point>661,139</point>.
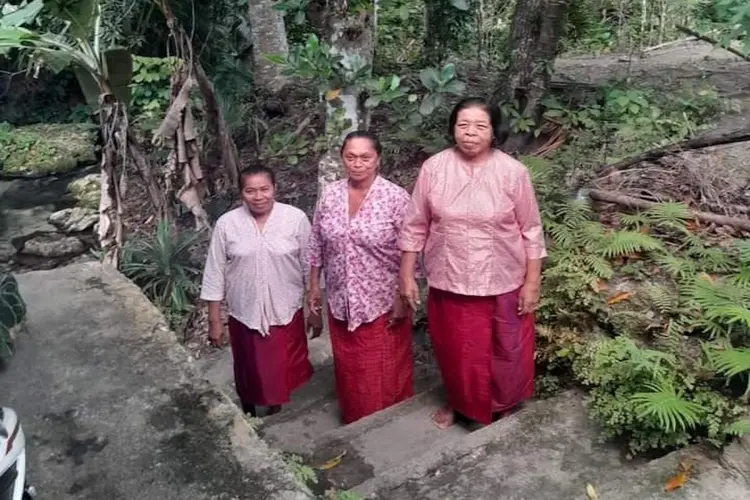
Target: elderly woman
<point>355,241</point>
<point>474,215</point>
<point>257,262</point>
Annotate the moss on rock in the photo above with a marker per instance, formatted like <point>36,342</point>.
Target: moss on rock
<point>46,148</point>
<point>86,191</point>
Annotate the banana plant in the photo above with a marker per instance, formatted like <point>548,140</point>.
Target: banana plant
<point>104,76</point>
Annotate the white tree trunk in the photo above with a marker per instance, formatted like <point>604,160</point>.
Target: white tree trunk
<point>353,37</point>
<point>269,38</point>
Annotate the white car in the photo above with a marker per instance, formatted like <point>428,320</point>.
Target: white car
<point>12,458</point>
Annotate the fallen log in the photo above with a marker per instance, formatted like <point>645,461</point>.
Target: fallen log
<point>710,40</point>
<point>667,44</point>
<point>641,204</point>
<point>699,142</point>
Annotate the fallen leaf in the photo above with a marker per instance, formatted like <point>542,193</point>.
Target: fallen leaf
<point>599,285</point>
<point>330,464</point>
<point>591,493</point>
<point>692,225</point>
<point>676,482</point>
<point>332,94</point>
<point>619,298</point>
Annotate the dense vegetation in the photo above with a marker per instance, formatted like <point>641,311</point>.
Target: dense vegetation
<point>647,310</point>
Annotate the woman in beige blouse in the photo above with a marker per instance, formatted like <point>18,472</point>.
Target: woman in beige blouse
<point>256,262</point>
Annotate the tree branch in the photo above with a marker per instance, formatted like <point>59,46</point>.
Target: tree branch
<point>633,202</point>
<point>710,40</point>
<point>678,147</point>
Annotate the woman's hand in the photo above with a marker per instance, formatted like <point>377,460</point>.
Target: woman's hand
<point>409,291</point>
<point>314,299</point>
<point>528,297</point>
<point>314,323</point>
<point>216,333</point>
<point>399,311</point>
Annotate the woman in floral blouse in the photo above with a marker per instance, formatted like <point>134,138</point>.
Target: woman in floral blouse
<point>354,240</point>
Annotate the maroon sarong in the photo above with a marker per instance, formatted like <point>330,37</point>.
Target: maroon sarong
<point>484,349</point>
<point>267,369</point>
<point>373,365</point>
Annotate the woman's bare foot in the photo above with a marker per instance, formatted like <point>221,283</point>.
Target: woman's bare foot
<point>444,418</point>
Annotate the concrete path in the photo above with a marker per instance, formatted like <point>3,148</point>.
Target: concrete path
<point>114,411</point>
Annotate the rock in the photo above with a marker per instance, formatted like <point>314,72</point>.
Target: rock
<point>6,252</point>
<point>736,456</point>
<point>53,246</point>
<point>86,191</point>
<point>74,220</point>
<point>46,148</point>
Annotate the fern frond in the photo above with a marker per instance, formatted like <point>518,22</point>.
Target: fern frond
<point>598,266</point>
<point>636,220</point>
<point>670,215</point>
<point>731,362</point>
<point>738,428</point>
<point>662,401</point>
<point>620,243</point>
<point>676,267</point>
<point>664,300</point>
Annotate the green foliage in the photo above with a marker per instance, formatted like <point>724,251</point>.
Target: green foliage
<point>163,268</point>
<point>43,149</point>
<point>150,89</point>
<point>12,313</point>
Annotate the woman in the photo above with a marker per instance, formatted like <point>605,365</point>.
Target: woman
<point>474,214</point>
<point>354,239</point>
<point>257,262</point>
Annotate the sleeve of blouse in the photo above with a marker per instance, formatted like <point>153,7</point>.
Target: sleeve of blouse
<point>303,239</point>
<point>212,288</point>
<point>315,242</point>
<point>413,235</point>
<point>529,220</point>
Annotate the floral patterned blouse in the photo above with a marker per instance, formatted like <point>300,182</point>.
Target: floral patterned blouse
<point>359,255</point>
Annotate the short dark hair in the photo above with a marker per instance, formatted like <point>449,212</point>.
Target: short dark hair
<point>496,117</point>
<point>256,170</point>
<point>363,134</point>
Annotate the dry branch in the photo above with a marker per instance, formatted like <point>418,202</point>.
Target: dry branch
<point>639,203</point>
<point>678,147</point>
<point>712,41</point>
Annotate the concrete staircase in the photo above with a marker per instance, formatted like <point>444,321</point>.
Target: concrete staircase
<point>548,449</point>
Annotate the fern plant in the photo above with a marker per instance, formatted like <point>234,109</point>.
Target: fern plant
<point>163,268</point>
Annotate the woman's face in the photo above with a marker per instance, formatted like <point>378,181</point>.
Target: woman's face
<point>360,159</point>
<point>473,131</point>
<point>258,193</point>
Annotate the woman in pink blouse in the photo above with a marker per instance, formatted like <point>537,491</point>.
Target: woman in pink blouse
<point>474,215</point>
<point>355,241</point>
<point>257,263</point>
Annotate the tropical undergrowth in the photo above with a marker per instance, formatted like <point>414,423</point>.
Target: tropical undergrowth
<point>649,315</point>
<point>164,267</point>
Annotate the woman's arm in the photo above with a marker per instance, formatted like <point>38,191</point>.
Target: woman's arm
<point>303,240</point>
<point>415,226</point>
<point>530,224</point>
<point>213,285</point>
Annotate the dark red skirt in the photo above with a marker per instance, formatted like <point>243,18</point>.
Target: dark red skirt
<point>373,366</point>
<point>267,369</point>
<point>484,349</point>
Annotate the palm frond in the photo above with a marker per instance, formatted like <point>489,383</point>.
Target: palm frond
<point>731,362</point>
<point>738,427</point>
<point>668,406</point>
<point>620,243</point>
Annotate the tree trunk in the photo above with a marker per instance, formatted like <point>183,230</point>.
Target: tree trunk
<point>351,35</point>
<point>534,41</point>
<point>269,38</point>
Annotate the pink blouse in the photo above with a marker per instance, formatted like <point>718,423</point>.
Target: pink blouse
<point>477,226</point>
<point>359,255</point>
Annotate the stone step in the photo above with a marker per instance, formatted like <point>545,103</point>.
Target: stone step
<point>313,411</point>
<point>546,450</point>
<point>551,450</point>
<point>375,444</point>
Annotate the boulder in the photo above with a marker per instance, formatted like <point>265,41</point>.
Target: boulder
<point>74,220</point>
<point>46,148</point>
<point>86,191</point>
<point>53,246</point>
<point>12,313</point>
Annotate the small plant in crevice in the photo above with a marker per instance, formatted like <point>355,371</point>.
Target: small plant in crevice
<point>162,267</point>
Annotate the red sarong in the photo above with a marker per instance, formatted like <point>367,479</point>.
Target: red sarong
<point>484,349</point>
<point>373,365</point>
<point>267,369</point>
